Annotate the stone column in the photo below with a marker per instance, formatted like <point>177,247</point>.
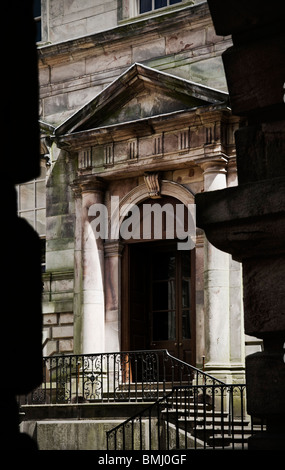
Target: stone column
<point>77,298</point>
<point>113,253</point>
<point>93,308</point>
<point>216,286</point>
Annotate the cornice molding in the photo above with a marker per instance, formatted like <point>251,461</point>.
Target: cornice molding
<point>128,32</point>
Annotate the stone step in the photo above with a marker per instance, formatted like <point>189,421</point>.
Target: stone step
<point>221,437</point>
<point>139,386</point>
<point>195,411</point>
<point>219,426</point>
<point>211,427</point>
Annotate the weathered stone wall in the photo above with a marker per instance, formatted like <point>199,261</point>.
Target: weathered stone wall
<point>58,283</point>
<point>68,19</point>
<point>58,313</point>
<point>83,434</point>
<point>184,44</point>
<point>60,214</point>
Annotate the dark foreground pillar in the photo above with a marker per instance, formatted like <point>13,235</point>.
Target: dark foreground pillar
<point>248,221</point>
<point>21,286</point>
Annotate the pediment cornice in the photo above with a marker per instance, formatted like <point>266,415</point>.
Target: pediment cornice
<point>165,92</point>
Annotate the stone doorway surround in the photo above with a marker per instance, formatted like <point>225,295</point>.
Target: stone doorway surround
<point>135,197</point>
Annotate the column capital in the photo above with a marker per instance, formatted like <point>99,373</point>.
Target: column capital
<point>76,189</point>
<point>88,184</point>
<point>113,248</point>
<point>214,166</point>
<point>214,173</point>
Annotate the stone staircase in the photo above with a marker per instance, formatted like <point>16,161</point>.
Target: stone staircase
<point>195,422</point>
<point>209,426</point>
<point>190,415</point>
<point>210,429</point>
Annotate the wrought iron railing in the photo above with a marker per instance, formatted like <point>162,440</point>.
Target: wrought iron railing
<point>117,376</point>
<point>209,416</point>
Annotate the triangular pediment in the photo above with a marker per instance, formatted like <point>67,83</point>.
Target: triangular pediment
<point>139,93</point>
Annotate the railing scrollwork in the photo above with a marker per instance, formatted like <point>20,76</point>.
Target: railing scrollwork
<point>116,376</point>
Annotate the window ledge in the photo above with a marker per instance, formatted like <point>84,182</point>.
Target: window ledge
<point>155,13</point>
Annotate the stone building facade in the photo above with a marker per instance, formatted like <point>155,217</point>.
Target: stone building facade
<point>134,109</point>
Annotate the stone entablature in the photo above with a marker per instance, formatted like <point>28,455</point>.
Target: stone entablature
<point>199,126</point>
<point>115,150</point>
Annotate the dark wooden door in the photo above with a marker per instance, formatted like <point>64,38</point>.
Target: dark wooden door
<point>138,293</point>
<point>171,314</point>
<point>161,304</point>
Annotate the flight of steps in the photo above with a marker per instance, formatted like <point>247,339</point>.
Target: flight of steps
<point>208,427</point>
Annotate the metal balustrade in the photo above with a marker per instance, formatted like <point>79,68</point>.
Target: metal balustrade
<point>116,376</point>
<point>188,408</point>
<point>209,416</point>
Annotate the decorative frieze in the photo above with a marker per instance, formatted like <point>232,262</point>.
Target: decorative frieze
<point>85,158</point>
<point>109,154</point>
<point>184,140</point>
<point>210,134</point>
<point>133,149</point>
<point>158,146</point>
<point>170,146</point>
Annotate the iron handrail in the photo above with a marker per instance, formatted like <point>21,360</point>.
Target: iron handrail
<point>198,372</point>
<point>141,375</point>
<point>189,417</point>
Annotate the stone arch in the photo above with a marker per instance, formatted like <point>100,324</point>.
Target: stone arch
<point>140,193</point>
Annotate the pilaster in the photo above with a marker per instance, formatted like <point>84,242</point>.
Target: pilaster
<point>113,252</point>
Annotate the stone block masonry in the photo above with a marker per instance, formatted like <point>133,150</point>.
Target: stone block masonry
<point>85,65</point>
<point>58,321</point>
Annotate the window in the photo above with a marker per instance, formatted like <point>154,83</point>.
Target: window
<point>133,8</point>
<point>149,5</point>
<point>38,19</point>
<point>32,202</point>
<point>32,206</point>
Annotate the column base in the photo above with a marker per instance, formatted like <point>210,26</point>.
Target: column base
<point>228,373</point>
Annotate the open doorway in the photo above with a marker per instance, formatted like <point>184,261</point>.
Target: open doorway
<point>158,298</point>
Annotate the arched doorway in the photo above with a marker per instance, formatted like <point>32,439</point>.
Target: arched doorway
<point>158,294</point>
